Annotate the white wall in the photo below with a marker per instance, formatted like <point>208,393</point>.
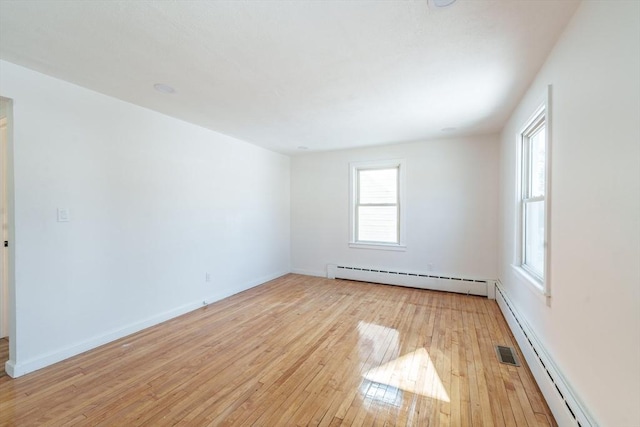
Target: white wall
<point>155,204</point>
<point>451,208</point>
<point>591,328</point>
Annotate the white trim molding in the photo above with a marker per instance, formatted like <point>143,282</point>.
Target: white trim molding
<point>308,272</point>
<point>413,279</point>
<point>354,167</point>
<point>378,246</point>
<point>15,370</point>
<point>541,113</point>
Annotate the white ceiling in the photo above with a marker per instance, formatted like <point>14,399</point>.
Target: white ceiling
<point>283,74</point>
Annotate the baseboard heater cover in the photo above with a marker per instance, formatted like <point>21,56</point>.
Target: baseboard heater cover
<point>564,405</point>
<point>431,281</point>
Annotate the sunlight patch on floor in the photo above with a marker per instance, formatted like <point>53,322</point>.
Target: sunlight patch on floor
<point>414,372</point>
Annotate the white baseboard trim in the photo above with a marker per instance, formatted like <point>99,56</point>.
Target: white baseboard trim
<point>309,272</point>
<point>562,400</point>
<point>413,279</point>
<point>227,293</point>
<point>15,370</point>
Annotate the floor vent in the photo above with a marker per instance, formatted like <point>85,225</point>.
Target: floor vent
<point>507,355</point>
<point>566,408</point>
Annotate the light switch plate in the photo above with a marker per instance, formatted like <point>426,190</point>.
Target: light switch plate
<point>63,214</point>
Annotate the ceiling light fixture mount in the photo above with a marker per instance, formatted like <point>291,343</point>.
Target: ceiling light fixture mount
<point>163,88</point>
<point>441,3</point>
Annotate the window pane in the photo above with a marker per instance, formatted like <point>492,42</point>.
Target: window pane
<point>534,237</point>
<point>537,163</point>
<point>378,186</point>
<point>378,224</point>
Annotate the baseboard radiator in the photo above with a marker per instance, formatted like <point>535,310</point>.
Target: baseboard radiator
<point>566,408</point>
<point>431,281</point>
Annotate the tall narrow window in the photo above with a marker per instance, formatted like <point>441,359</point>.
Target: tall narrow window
<point>533,197</point>
<point>533,227</point>
<point>376,204</point>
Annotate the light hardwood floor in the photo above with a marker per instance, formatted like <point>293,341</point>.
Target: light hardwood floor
<point>4,355</point>
<point>295,351</point>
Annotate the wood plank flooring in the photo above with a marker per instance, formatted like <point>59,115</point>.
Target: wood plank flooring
<point>4,355</point>
<point>295,351</point>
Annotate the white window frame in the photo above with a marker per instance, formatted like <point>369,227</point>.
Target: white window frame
<point>540,117</point>
<point>354,167</point>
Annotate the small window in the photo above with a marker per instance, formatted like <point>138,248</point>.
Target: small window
<point>533,171</point>
<point>376,206</point>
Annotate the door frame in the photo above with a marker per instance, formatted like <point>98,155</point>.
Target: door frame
<point>7,283</point>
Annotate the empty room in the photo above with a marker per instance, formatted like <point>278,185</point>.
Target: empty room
<point>296,213</point>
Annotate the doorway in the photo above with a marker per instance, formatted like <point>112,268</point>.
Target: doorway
<point>6,117</point>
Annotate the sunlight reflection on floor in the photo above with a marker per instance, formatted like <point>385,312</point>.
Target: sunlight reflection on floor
<point>381,393</point>
<point>414,372</point>
<point>386,373</point>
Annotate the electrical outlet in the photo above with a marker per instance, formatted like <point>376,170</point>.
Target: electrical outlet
<point>207,277</point>
<point>63,215</point>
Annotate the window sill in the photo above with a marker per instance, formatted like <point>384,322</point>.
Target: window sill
<point>378,246</point>
<point>533,283</point>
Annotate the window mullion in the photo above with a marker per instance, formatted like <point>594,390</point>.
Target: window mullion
<point>533,199</point>
<point>377,204</point>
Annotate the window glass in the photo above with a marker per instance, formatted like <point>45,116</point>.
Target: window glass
<point>534,237</point>
<point>537,158</point>
<point>378,186</point>
<point>378,224</point>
